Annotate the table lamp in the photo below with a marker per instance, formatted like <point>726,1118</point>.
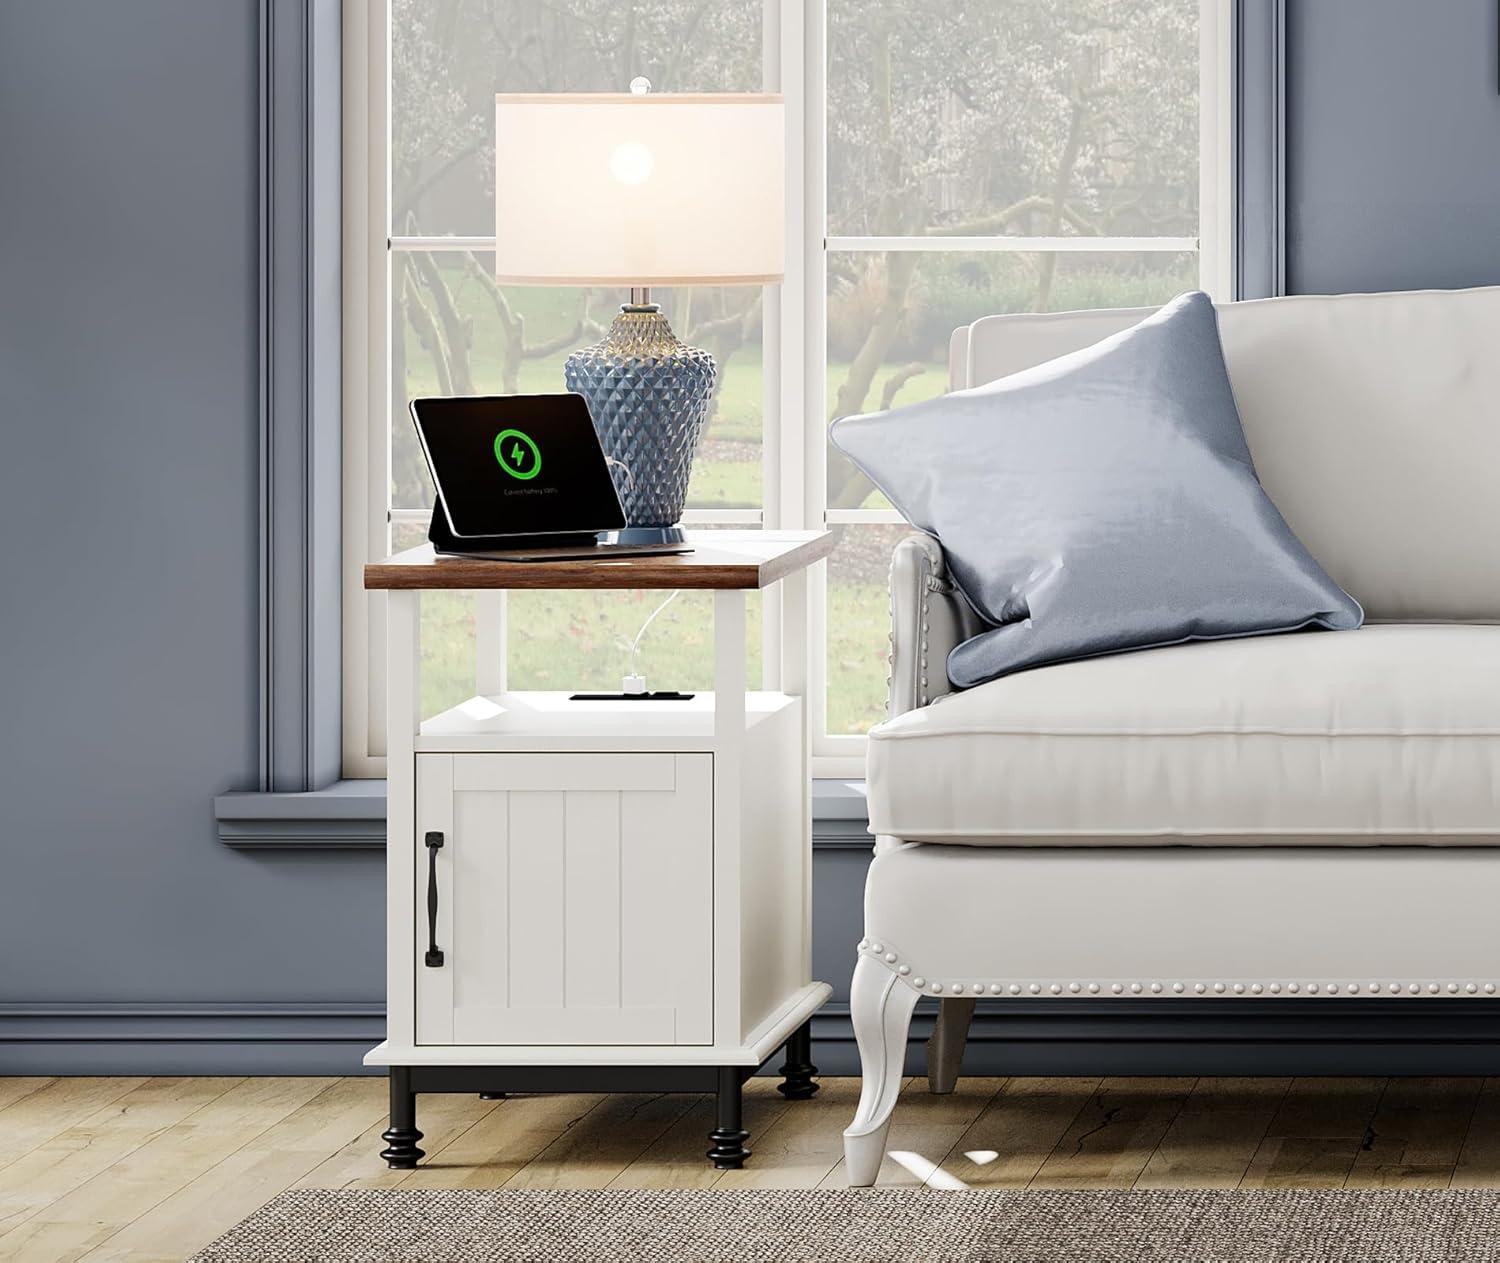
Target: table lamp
<point>638,189</point>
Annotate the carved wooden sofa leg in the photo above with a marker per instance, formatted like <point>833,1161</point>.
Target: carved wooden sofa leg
<point>945,1047</point>
<point>880,1006</point>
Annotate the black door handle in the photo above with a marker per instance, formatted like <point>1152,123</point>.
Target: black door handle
<point>434,957</point>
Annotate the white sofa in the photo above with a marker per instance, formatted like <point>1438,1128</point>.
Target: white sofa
<point>1312,814</point>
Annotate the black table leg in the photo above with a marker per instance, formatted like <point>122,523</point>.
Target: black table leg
<point>402,1135</point>
<point>729,1152</point>
<point>797,1082</point>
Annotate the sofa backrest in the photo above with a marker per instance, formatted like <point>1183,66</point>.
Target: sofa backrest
<point>1373,419</point>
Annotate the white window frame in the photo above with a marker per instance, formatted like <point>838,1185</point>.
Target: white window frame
<point>794,451</point>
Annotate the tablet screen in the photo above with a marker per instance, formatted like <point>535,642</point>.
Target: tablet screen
<point>517,464</point>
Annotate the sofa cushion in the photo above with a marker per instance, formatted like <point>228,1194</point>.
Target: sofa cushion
<point>1387,734</point>
<point>1102,501</point>
<point>1223,922</point>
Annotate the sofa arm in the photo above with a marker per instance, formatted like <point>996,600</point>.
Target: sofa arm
<point>929,617</point>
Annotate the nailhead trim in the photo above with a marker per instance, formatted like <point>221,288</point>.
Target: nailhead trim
<point>889,956</point>
<point>922,695</point>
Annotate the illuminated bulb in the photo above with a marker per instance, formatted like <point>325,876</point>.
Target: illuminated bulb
<point>630,162</point>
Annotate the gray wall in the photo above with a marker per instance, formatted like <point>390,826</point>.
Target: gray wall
<point>1393,145</point>
<point>128,494</point>
<point>129,285</point>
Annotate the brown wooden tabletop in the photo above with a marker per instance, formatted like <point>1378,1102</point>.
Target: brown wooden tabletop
<point>720,559</point>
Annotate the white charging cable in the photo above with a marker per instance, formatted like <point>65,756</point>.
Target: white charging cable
<point>635,682</point>
<point>612,462</point>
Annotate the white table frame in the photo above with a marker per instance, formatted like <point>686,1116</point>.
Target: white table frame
<point>735,1054</point>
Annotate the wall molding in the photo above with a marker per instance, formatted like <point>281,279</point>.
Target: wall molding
<point>347,815</point>
<point>188,1039</point>
<point>842,835</point>
<point>1259,94</point>
<point>1189,1037</point>
<point>196,1022</point>
<point>302,835</point>
<point>299,443</point>
<point>1022,1037</point>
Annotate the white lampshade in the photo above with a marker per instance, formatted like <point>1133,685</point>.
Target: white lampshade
<point>616,189</point>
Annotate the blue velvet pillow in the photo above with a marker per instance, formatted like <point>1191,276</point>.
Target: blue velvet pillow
<point>1100,502</point>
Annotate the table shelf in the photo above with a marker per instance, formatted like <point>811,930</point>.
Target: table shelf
<point>550,720</point>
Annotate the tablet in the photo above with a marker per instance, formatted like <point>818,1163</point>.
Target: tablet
<point>517,465</point>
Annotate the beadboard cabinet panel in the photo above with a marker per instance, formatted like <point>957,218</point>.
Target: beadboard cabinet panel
<point>575,899</point>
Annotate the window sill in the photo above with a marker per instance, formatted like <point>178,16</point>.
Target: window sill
<point>840,817</point>
<point>347,816</point>
<point>350,816</point>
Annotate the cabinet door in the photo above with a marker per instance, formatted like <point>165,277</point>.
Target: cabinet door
<point>575,899</point>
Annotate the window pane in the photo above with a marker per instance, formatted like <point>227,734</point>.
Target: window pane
<point>859,625</point>
<point>447,636</point>
<point>1030,117</point>
<point>575,640</point>
<point>890,316</point>
<point>450,57</point>
<point>581,640</point>
<point>456,332</point>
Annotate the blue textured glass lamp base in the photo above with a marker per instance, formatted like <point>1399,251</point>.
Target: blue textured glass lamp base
<point>649,395</point>
<point>637,535</point>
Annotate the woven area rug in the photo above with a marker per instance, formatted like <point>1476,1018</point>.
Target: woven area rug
<point>832,1226</point>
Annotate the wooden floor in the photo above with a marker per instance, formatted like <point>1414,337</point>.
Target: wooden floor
<point>154,1168</point>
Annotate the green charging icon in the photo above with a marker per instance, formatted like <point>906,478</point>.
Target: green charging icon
<point>518,454</point>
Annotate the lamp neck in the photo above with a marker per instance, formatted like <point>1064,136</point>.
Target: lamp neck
<point>640,295</point>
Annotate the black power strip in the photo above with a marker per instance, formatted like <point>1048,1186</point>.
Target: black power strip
<point>662,696</point>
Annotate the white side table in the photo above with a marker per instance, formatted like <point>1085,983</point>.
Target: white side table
<point>601,895</point>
